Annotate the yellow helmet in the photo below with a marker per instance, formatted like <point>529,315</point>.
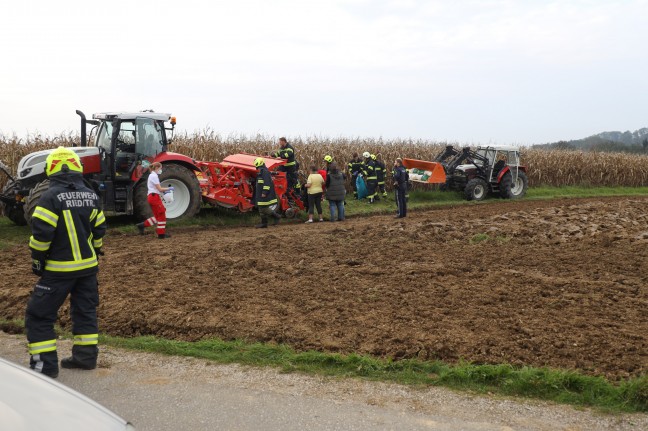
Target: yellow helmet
<point>62,157</point>
<point>373,157</point>
<point>258,162</point>
<point>328,159</point>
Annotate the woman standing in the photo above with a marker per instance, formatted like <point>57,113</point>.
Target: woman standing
<point>335,192</point>
<point>155,191</point>
<point>315,186</point>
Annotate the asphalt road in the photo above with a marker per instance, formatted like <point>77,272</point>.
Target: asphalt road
<point>157,392</point>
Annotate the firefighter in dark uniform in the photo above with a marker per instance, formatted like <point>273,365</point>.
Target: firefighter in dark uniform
<point>401,178</point>
<point>355,167</point>
<point>380,174</point>
<point>265,194</point>
<point>287,152</point>
<point>67,230</point>
<point>369,172</point>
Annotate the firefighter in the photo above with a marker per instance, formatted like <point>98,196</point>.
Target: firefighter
<point>328,160</point>
<point>287,152</point>
<point>355,167</point>
<point>380,174</point>
<point>401,178</point>
<point>265,194</point>
<point>68,226</point>
<point>369,173</point>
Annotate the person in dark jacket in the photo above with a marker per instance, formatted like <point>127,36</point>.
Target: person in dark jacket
<point>287,152</point>
<point>68,226</point>
<point>355,167</point>
<point>265,194</point>
<point>381,172</point>
<point>401,178</point>
<point>369,172</point>
<point>335,192</point>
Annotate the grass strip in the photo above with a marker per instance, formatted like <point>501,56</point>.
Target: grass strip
<point>566,387</point>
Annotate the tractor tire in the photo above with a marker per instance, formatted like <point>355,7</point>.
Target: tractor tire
<point>14,213</point>
<point>476,190</point>
<point>508,190</point>
<point>32,200</point>
<point>186,194</point>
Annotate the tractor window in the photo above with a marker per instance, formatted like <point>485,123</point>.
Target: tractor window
<point>104,137</point>
<point>150,138</point>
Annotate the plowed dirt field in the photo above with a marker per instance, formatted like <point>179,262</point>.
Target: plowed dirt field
<point>561,283</point>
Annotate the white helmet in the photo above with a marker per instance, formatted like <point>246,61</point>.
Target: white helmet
<point>366,154</point>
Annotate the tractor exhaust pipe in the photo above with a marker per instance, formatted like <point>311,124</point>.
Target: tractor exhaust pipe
<point>84,139</point>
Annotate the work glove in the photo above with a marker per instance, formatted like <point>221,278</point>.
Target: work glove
<point>98,252</point>
<point>171,188</point>
<point>38,266</point>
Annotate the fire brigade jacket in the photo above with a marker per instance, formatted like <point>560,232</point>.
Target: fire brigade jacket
<point>67,226</point>
<point>369,170</point>
<point>380,171</point>
<point>355,166</point>
<point>265,186</point>
<point>287,153</point>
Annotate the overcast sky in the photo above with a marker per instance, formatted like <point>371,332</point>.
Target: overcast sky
<point>506,72</point>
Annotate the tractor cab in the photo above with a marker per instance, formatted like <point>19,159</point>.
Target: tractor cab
<point>127,143</point>
<point>495,159</point>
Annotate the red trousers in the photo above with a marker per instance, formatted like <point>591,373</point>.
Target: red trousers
<point>159,214</point>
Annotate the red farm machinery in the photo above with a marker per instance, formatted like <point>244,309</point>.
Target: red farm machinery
<point>115,166</point>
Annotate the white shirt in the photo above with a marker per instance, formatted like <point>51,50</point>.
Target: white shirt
<point>153,181</point>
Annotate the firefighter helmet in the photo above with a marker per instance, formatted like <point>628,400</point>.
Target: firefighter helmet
<point>258,162</point>
<point>373,157</point>
<point>61,157</point>
<point>366,154</point>
<point>328,159</point>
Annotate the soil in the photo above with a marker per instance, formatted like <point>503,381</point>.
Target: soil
<point>560,283</point>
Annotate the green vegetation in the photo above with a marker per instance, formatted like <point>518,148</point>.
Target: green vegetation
<point>566,387</point>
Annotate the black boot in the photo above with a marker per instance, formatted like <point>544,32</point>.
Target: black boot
<point>140,228</point>
<point>83,358</point>
<point>45,363</point>
<point>163,235</point>
<point>277,218</point>
<point>263,224</point>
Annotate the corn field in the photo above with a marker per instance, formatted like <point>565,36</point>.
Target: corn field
<point>545,167</point>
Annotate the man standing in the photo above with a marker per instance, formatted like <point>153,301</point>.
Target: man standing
<point>355,167</point>
<point>67,230</point>
<point>400,187</point>
<point>380,174</point>
<point>287,152</point>
<point>369,172</point>
<point>265,194</point>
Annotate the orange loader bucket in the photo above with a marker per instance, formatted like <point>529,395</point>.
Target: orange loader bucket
<point>425,172</point>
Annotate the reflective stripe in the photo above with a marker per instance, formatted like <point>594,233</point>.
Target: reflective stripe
<point>290,164</point>
<point>62,266</point>
<point>260,181</point>
<point>86,339</point>
<point>372,178</point>
<point>100,218</point>
<point>266,187</point>
<point>39,245</point>
<point>97,243</point>
<point>93,214</point>
<point>263,204</point>
<point>46,215</point>
<point>72,235</point>
<point>42,347</point>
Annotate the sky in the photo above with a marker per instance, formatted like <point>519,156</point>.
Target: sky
<point>472,72</point>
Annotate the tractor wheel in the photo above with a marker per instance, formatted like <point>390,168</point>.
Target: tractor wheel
<point>290,212</point>
<point>186,194</point>
<point>15,212</point>
<point>32,200</point>
<point>476,189</point>
<point>508,190</point>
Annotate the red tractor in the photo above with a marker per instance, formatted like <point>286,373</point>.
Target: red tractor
<point>116,167</point>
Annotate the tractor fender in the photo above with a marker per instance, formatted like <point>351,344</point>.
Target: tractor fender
<point>501,174</point>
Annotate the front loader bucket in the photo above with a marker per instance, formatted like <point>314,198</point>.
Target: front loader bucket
<point>425,172</point>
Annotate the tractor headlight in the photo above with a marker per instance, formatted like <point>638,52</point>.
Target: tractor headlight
<point>25,172</point>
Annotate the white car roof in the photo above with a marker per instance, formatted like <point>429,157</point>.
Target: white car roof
<point>61,408</point>
<point>131,115</point>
